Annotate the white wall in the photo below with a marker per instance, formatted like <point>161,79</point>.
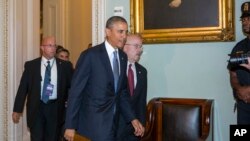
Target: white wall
<point>192,70</point>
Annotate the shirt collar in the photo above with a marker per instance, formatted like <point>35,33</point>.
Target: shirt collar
<point>44,60</point>
<point>133,65</point>
<point>109,48</point>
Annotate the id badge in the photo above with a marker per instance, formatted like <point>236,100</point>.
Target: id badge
<point>49,89</point>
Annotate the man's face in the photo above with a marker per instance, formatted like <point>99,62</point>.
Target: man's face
<point>63,55</point>
<point>117,34</point>
<point>48,48</point>
<point>246,25</point>
<point>133,48</point>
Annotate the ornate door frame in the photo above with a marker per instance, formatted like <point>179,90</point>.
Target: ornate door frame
<point>98,21</point>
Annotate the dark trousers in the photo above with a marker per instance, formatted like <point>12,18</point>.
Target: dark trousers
<point>243,113</point>
<point>45,126</point>
<point>126,132</point>
<point>61,134</point>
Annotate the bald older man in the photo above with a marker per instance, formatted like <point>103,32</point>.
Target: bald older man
<point>44,83</point>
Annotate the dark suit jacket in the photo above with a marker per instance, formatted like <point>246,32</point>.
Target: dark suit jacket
<point>92,96</point>
<point>30,88</point>
<point>139,105</point>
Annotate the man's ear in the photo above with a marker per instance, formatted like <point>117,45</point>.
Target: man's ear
<point>41,47</point>
<point>107,31</point>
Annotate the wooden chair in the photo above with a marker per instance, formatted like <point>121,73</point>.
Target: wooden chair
<point>179,119</point>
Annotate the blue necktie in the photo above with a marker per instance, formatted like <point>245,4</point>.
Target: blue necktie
<point>45,97</point>
<point>115,69</point>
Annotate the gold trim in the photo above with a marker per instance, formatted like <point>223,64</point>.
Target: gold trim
<point>223,32</point>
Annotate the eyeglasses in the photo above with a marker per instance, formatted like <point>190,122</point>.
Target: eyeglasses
<point>135,45</point>
<point>50,45</point>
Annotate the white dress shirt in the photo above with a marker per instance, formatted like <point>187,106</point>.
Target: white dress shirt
<point>110,51</point>
<point>53,78</point>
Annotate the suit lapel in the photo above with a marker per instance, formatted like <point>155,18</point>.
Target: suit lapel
<point>123,66</point>
<point>139,79</point>
<point>59,75</point>
<point>106,62</point>
<point>105,59</point>
<point>37,76</point>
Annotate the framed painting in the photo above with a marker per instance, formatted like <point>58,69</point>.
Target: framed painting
<point>173,21</point>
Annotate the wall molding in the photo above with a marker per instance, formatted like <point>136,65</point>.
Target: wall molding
<point>98,21</point>
<point>23,44</point>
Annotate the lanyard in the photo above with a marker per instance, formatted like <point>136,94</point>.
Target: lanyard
<point>51,64</point>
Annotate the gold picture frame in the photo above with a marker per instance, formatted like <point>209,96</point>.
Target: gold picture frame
<point>191,21</point>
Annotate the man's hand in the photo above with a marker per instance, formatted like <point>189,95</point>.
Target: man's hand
<point>175,3</point>
<point>16,117</point>
<point>69,134</point>
<point>246,65</point>
<point>139,129</point>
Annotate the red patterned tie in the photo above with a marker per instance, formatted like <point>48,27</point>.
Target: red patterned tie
<point>131,80</point>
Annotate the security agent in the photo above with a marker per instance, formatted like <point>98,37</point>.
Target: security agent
<point>239,75</point>
<point>44,88</point>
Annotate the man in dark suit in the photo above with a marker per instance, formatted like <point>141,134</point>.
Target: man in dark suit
<point>44,83</point>
<point>99,88</point>
<point>137,86</point>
